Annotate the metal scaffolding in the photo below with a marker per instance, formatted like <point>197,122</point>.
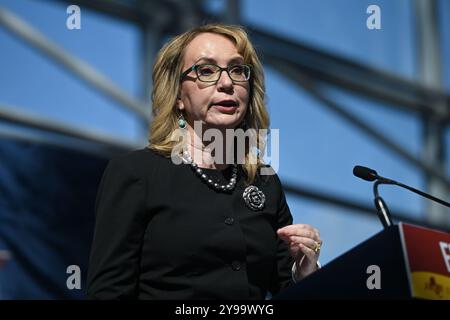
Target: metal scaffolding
<point>309,68</point>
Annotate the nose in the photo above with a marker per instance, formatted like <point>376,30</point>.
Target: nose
<point>224,82</point>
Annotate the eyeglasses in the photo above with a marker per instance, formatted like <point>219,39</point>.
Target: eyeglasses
<point>212,72</point>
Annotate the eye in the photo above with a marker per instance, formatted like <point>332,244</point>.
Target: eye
<point>238,70</point>
<point>206,70</point>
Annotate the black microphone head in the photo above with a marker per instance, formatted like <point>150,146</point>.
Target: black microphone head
<point>365,173</point>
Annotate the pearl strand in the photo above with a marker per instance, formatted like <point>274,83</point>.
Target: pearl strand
<point>200,173</point>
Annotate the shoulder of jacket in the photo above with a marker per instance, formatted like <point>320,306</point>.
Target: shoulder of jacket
<point>267,174</point>
<point>137,161</point>
<point>267,170</point>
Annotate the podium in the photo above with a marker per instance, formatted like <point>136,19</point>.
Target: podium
<point>401,262</point>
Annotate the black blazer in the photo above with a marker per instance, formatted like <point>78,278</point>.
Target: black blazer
<point>162,233</point>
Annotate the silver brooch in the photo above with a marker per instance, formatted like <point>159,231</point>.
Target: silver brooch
<point>254,198</point>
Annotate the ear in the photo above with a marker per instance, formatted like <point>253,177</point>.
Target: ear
<point>180,104</point>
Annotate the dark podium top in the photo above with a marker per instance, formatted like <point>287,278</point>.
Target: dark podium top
<point>400,262</point>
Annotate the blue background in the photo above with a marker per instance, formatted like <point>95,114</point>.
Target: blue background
<point>317,149</point>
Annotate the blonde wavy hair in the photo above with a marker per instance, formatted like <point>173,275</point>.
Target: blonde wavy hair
<point>166,86</point>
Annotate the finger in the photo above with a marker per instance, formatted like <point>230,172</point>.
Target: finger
<point>310,254</point>
<point>297,238</point>
<point>295,250</point>
<point>284,237</point>
<point>292,229</point>
<point>317,232</point>
<point>310,243</point>
<point>301,230</point>
<point>305,233</point>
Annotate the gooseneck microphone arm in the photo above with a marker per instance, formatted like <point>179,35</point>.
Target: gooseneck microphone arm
<point>382,209</point>
<point>371,175</point>
<point>423,194</point>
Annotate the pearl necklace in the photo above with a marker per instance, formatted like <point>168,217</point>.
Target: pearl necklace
<point>199,172</point>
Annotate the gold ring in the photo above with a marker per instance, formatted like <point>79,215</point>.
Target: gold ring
<point>318,246</point>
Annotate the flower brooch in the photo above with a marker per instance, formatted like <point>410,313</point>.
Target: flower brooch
<point>254,198</point>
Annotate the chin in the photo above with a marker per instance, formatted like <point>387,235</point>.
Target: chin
<point>223,124</point>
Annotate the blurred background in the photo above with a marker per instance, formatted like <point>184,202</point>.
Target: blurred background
<point>347,83</point>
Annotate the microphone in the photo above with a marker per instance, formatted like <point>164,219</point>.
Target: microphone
<point>382,209</point>
<point>365,173</point>
<point>370,175</point>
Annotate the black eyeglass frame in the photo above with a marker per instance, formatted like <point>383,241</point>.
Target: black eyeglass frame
<point>220,69</point>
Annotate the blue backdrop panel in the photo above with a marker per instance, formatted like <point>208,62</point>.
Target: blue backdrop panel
<point>47,198</point>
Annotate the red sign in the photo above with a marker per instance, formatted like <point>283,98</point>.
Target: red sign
<point>428,259</point>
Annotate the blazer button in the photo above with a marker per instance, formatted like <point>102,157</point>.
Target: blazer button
<point>236,265</point>
<point>229,221</point>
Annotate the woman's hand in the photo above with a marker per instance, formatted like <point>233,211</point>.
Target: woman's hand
<point>304,244</point>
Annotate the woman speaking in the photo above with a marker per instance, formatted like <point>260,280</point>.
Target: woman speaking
<point>182,220</point>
